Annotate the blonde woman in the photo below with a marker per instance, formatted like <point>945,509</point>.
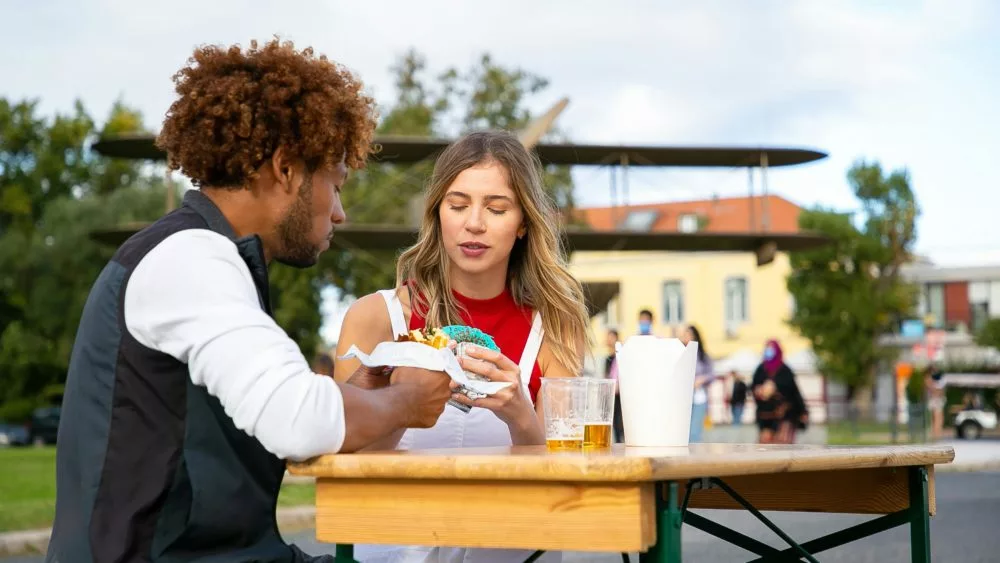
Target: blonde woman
<point>488,256</point>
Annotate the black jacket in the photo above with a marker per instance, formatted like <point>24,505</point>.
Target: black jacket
<point>149,466</point>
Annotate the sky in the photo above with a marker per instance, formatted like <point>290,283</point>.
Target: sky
<point>912,84</point>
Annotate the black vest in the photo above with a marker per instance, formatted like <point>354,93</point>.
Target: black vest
<point>149,467</point>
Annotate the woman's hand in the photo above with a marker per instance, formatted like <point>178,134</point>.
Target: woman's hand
<point>509,404</point>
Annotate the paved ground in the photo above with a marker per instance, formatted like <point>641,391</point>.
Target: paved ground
<point>975,453</point>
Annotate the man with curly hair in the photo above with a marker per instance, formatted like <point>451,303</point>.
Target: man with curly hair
<point>184,398</point>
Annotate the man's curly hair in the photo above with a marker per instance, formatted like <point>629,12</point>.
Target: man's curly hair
<point>235,108</point>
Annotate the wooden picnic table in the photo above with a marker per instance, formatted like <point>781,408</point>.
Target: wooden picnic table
<point>619,500</point>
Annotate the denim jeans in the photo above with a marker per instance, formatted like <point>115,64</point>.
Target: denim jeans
<point>698,413</point>
<point>737,414</point>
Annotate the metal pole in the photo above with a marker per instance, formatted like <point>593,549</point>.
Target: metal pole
<point>667,548</point>
<point>920,532</point>
<point>766,216</point>
<point>624,163</point>
<point>753,218</point>
<point>614,196</point>
<point>894,420</point>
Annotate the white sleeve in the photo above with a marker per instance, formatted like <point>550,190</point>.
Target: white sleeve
<point>192,297</point>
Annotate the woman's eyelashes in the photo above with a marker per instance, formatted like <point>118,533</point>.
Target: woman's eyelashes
<point>490,209</point>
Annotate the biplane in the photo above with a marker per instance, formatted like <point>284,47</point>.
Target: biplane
<point>410,150</point>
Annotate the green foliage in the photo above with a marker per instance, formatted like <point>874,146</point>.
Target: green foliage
<point>60,191</point>
<point>989,334</point>
<point>486,95</point>
<point>295,297</point>
<point>18,410</point>
<point>54,192</point>
<point>850,292</point>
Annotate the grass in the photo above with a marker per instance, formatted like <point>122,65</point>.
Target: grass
<point>28,489</point>
<point>868,433</point>
<point>297,494</point>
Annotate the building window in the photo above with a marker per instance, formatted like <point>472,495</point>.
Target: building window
<point>642,220</point>
<point>673,302</point>
<point>688,223</point>
<point>932,305</point>
<point>984,301</point>
<point>736,301</point>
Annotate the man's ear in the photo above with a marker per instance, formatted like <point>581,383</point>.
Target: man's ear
<point>284,170</point>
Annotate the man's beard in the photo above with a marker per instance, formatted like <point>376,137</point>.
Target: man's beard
<point>293,232</point>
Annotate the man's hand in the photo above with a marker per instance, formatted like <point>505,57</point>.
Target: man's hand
<point>426,392</point>
<point>370,378</point>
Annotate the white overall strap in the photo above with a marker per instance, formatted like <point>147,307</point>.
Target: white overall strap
<point>530,353</point>
<point>396,316</point>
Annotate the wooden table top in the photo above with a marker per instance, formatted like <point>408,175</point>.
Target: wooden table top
<point>620,464</point>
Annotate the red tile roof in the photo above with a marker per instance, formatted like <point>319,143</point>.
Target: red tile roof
<point>720,215</point>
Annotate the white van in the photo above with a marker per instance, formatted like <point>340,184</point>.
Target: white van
<point>974,415</point>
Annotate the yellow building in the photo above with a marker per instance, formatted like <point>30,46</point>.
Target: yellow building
<point>735,304</point>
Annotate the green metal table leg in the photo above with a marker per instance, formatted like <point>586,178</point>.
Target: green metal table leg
<point>345,553</point>
<point>667,548</point>
<point>920,525</point>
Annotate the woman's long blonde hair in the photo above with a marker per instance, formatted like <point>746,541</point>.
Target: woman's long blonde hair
<point>537,275</point>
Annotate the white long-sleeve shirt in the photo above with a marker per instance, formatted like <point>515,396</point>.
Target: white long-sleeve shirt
<point>192,297</point>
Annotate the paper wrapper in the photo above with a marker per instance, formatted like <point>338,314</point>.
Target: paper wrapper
<point>417,355</point>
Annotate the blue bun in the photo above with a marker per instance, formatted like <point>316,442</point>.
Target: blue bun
<point>461,333</point>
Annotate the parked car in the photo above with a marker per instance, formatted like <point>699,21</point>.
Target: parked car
<point>44,425</point>
<point>13,435</point>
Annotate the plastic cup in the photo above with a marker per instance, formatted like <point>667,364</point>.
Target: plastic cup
<point>599,413</point>
<point>564,402</point>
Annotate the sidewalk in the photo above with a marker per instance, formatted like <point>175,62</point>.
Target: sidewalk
<point>973,455</point>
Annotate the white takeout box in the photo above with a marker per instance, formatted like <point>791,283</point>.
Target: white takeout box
<point>656,385</point>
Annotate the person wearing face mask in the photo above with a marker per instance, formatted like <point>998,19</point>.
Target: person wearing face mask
<point>645,322</point>
<point>781,410</point>
<point>488,256</point>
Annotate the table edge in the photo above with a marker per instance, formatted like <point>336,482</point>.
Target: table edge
<point>608,470</point>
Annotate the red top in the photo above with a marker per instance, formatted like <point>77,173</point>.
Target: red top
<point>501,318</point>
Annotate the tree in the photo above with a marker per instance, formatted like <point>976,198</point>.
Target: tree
<point>850,292</point>
<point>489,96</point>
<point>486,95</point>
<point>54,191</point>
<point>989,335</point>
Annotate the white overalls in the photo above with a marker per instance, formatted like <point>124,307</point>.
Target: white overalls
<point>456,429</point>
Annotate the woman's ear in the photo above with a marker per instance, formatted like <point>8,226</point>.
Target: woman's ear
<point>522,231</point>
